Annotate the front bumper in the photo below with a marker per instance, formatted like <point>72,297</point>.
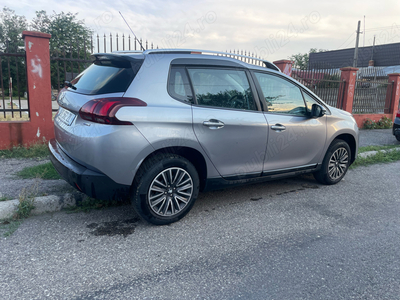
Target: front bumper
<point>91,183</point>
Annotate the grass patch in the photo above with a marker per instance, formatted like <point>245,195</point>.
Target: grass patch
<point>43,171</point>
<point>34,151</point>
<point>5,198</point>
<point>25,206</point>
<point>88,204</point>
<point>380,157</point>
<point>376,148</point>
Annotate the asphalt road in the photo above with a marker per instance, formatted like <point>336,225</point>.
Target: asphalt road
<point>377,137</point>
<point>289,239</point>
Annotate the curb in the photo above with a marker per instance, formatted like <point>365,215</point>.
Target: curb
<point>372,153</point>
<point>44,204</point>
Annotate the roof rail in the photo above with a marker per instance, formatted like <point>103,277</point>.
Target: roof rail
<point>267,64</point>
<point>128,51</point>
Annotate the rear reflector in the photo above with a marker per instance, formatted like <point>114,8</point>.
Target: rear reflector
<point>103,110</point>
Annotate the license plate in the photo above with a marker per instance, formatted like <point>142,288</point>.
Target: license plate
<point>66,116</point>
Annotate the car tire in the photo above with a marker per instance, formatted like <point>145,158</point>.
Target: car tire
<point>397,137</point>
<point>335,164</point>
<point>165,189</point>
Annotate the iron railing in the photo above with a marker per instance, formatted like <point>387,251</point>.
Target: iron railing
<point>371,91</point>
<point>325,83</point>
<point>14,100</point>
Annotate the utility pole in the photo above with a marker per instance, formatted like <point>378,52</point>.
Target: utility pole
<point>364,34</point>
<point>356,49</point>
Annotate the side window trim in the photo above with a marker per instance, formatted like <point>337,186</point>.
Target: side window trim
<point>249,79</point>
<point>303,91</point>
<point>185,74</point>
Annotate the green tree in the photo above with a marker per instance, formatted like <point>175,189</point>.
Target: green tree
<point>301,59</point>
<point>11,27</point>
<point>70,38</point>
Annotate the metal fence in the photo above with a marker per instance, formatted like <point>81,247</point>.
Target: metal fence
<point>14,100</point>
<point>325,83</point>
<point>371,91</point>
<point>105,43</point>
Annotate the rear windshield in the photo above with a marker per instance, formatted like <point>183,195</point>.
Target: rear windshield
<point>103,77</point>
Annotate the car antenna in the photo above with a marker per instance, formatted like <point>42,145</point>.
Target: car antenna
<point>132,31</point>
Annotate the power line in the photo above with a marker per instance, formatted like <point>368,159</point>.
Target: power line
<point>346,40</point>
<point>380,28</point>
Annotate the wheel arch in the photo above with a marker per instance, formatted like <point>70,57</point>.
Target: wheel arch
<point>351,141</point>
<point>192,155</point>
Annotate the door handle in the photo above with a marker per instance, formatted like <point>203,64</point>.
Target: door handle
<point>278,127</point>
<point>214,124</point>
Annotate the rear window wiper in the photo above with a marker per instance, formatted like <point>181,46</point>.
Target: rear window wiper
<point>69,84</point>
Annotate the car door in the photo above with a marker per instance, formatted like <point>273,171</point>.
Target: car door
<point>227,120</point>
<point>295,140</point>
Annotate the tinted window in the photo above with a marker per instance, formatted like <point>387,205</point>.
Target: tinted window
<point>222,88</point>
<point>178,84</point>
<point>104,78</point>
<point>280,95</point>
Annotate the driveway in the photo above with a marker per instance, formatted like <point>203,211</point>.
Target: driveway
<point>289,239</point>
<point>377,137</point>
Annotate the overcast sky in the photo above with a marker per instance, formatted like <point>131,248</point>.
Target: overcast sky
<point>275,29</point>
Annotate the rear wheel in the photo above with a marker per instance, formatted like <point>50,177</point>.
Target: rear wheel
<point>397,137</point>
<point>165,189</point>
<point>335,164</point>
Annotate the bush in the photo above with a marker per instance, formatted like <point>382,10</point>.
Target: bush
<point>383,123</point>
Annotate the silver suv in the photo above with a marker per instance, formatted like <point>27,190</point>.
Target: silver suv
<point>161,125</point>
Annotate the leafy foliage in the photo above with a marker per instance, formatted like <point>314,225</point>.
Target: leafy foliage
<point>301,59</point>
<point>383,123</point>
<point>70,38</point>
<point>11,27</point>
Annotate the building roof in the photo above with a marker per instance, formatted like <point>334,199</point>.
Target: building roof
<point>383,56</point>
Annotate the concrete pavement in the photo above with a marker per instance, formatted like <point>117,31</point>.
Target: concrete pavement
<point>289,239</point>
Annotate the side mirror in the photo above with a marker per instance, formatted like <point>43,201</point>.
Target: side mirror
<point>317,111</point>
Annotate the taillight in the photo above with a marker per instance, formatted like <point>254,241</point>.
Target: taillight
<point>398,114</point>
<point>103,110</point>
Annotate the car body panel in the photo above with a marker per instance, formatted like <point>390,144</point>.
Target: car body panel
<point>97,145</point>
<point>298,145</point>
<point>237,148</point>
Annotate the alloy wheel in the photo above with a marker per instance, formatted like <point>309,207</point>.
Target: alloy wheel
<point>338,163</point>
<point>170,191</point>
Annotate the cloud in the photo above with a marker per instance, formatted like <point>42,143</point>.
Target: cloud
<point>286,27</point>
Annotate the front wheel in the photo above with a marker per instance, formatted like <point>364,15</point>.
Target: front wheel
<point>335,164</point>
<point>165,189</point>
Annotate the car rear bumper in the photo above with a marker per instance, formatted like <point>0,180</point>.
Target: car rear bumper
<point>91,183</point>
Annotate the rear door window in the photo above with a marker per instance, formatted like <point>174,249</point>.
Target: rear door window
<point>225,88</point>
<point>103,77</point>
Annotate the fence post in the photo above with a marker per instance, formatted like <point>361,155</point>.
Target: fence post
<point>39,86</point>
<point>392,95</point>
<point>285,66</point>
<point>349,75</point>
